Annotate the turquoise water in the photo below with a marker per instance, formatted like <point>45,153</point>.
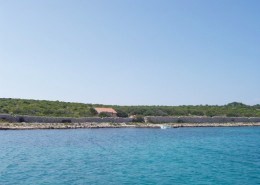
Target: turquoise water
<point>131,156</point>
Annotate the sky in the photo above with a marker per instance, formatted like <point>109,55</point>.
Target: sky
<point>131,52</point>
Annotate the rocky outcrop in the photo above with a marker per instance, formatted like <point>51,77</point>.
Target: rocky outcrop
<point>27,126</point>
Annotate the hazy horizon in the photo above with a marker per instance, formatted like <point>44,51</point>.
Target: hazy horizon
<point>131,52</point>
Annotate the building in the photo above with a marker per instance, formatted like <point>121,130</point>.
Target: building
<point>110,111</point>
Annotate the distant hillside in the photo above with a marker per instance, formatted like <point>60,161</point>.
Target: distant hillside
<point>44,108</point>
<point>66,109</point>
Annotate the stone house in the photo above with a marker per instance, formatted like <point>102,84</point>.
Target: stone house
<point>109,111</point>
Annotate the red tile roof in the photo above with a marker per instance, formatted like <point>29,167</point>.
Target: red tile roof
<point>109,110</point>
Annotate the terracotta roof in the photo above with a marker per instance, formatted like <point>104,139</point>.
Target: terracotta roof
<point>109,110</point>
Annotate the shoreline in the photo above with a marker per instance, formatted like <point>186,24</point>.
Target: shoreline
<point>32,126</point>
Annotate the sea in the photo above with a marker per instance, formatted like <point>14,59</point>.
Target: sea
<point>209,155</point>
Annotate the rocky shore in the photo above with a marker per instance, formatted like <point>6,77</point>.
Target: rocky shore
<point>28,126</point>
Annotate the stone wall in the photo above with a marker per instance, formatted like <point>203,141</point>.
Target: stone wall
<point>39,119</point>
<point>197,119</point>
<point>148,119</point>
<point>8,117</point>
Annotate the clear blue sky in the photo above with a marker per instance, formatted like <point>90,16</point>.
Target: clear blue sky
<point>131,52</point>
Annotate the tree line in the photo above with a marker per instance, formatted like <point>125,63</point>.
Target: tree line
<point>67,109</point>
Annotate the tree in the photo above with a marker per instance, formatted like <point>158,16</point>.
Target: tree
<point>93,111</point>
<point>138,118</point>
<point>104,114</point>
<point>121,114</point>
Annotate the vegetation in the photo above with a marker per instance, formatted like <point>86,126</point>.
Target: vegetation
<point>64,109</point>
<point>104,114</point>
<point>121,113</point>
<point>138,119</point>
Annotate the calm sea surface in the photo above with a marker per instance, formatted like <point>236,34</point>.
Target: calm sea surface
<point>131,156</point>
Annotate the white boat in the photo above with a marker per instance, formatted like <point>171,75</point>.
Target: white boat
<point>165,126</point>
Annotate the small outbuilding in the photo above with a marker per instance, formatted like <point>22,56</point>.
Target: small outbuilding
<point>110,111</point>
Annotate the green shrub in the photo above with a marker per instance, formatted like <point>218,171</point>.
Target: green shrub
<point>139,119</point>
<point>93,111</point>
<point>180,121</point>
<point>121,114</point>
<point>104,114</point>
<point>66,121</point>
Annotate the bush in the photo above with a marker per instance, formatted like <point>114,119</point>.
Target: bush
<point>93,111</point>
<point>66,121</point>
<point>4,120</point>
<point>210,113</point>
<point>232,114</point>
<point>21,119</point>
<point>122,114</point>
<point>180,121</point>
<point>139,119</point>
<point>104,114</point>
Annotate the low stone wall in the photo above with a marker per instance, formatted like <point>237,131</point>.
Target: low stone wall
<point>197,119</point>
<point>148,119</point>
<point>8,117</point>
<point>39,119</point>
